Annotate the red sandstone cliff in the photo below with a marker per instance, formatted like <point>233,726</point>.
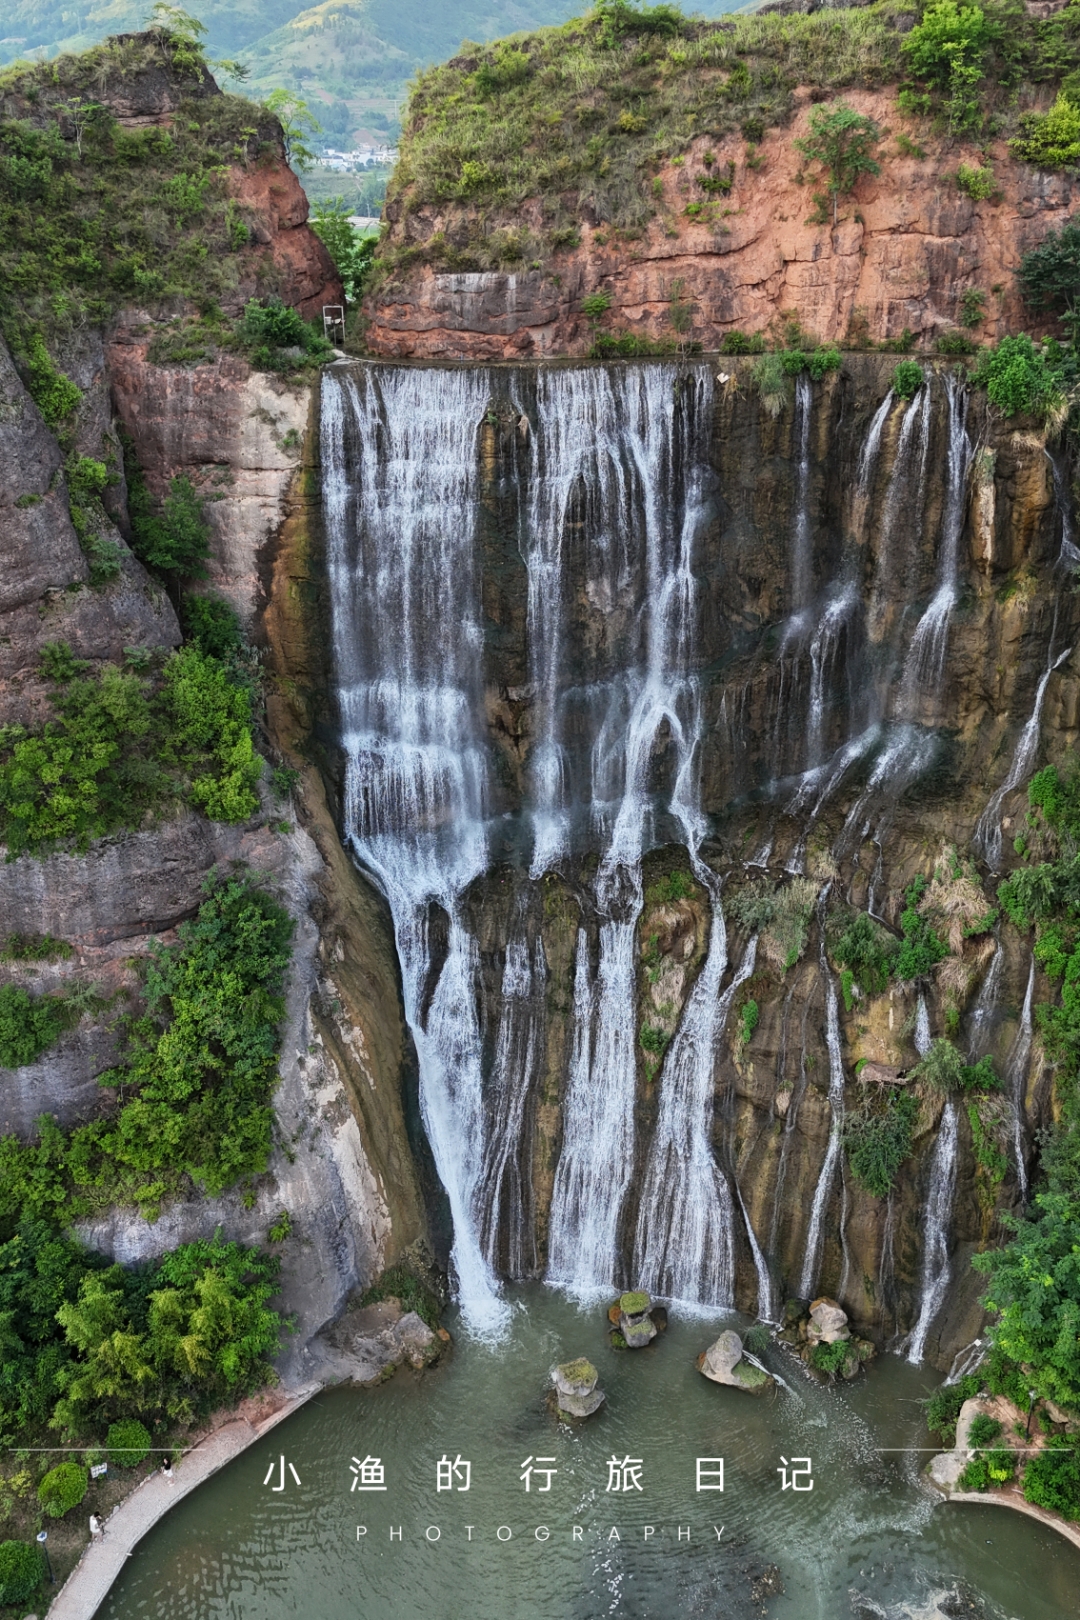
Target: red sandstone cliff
<point>908,244</point>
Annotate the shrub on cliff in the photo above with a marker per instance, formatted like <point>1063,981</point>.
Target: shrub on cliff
<point>1050,140</point>
<point>944,1069</point>
<point>843,144</point>
<point>198,1070</point>
<point>878,1139</point>
<point>907,379</point>
<point>28,1025</point>
<point>1019,378</point>
<point>1049,275</point>
<point>947,49</point>
<point>124,744</point>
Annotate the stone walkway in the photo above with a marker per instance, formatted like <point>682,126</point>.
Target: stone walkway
<point>88,1584</point>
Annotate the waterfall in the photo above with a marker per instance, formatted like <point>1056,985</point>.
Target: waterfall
<point>812,1253</point>
<point>985,1002</point>
<point>642,437</point>
<point>924,666</point>
<point>1016,1071</point>
<point>400,499</point>
<point>936,1219</point>
<point>871,445</point>
<point>941,1188</point>
<point>988,828</point>
<point>504,1193</point>
<point>801,536</point>
<point>902,509</point>
<point>684,1245</point>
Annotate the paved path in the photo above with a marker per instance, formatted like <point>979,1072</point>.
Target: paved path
<point>86,1587</point>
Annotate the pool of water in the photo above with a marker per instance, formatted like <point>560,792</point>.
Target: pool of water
<point>864,1542</point>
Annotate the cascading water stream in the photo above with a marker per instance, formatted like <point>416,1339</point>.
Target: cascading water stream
<point>937,1215</point>
<point>1016,1072</point>
<point>985,1002</point>
<point>503,1192</point>
<point>822,1192</point>
<point>988,829</point>
<point>684,1246</point>
<point>406,617</point>
<point>643,438</point>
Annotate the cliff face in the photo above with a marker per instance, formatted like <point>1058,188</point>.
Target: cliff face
<point>343,1171</point>
<point>908,245</point>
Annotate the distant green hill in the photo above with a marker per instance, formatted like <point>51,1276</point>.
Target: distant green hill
<point>350,59</point>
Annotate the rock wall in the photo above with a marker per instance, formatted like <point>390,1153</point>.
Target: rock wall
<point>908,245</point>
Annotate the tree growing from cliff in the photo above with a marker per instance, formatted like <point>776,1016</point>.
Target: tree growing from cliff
<point>843,142</point>
<point>1050,275</point>
<point>948,50</point>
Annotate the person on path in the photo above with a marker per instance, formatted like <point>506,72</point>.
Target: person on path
<point>97,1529</point>
<point>166,1469</point>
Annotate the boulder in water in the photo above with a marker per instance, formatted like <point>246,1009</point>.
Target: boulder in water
<point>634,1322</point>
<point>576,1394</point>
<point>723,1363</point>
<point>828,1322</point>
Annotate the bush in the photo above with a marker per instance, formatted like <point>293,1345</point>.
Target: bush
<point>1017,378</point>
<point>1049,275</point>
<point>749,1022</point>
<point>127,1442</point>
<point>742,343</point>
<point>55,395</point>
<point>944,1069</point>
<point>878,1139</point>
<point>830,1358</point>
<point>212,625</point>
<point>907,379</point>
<point>770,378</point>
<point>920,947</point>
<point>1052,1477</point>
<point>989,1470</point>
<point>978,184</point>
<point>277,336</point>
<point>28,1025</point>
<point>174,538</point>
<point>943,1406</point>
<point>21,1571</point>
<point>948,49</point>
<point>64,1487</point>
<point>1050,140</point>
<point>984,1430</point>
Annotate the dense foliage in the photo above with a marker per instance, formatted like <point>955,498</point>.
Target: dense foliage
<point>1050,273</point>
<point>1052,1477</point>
<point>123,744</point>
<point>1034,1281</point>
<point>28,1025</point>
<point>197,1078</point>
<point>878,1139</point>
<point>21,1571</point>
<point>87,1344</point>
<point>843,143</point>
<point>63,1488</point>
<point>1020,376</point>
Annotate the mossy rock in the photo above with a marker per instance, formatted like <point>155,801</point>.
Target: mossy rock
<point>635,1304</point>
<point>580,1371</point>
<point>616,1340</point>
<point>750,1377</point>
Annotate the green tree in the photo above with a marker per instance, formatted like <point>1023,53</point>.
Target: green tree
<point>352,252</point>
<point>945,1070</point>
<point>844,143</point>
<point>298,124</point>
<point>948,49</point>
<point>1049,275</point>
<point>63,1488</point>
<point>1034,1286</point>
<point>1050,140</point>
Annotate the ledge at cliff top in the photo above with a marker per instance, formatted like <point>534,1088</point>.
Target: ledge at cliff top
<point>659,180</point>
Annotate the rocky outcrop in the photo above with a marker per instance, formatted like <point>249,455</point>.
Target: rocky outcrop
<point>908,245</point>
<point>576,1392</point>
<point>723,1363</point>
<point>367,1344</point>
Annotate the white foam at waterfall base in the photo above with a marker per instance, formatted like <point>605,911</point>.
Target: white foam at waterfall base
<point>400,496</point>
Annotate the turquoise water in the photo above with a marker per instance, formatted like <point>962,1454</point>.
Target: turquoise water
<point>865,1541</point>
